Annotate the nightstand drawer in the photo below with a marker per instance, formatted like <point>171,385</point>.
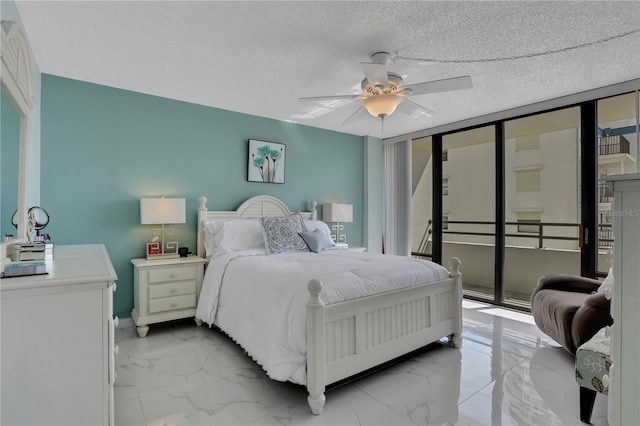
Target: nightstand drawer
<point>172,274</point>
<point>156,291</point>
<point>172,303</point>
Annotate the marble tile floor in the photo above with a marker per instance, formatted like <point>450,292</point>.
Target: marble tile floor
<point>507,373</point>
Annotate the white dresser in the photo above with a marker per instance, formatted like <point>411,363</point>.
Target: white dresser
<point>624,387</point>
<point>58,349</point>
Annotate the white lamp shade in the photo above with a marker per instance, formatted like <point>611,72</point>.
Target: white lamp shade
<point>337,212</point>
<point>155,211</point>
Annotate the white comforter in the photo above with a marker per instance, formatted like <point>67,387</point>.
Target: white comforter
<point>260,300</point>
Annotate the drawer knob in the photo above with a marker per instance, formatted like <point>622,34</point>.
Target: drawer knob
<point>173,305</point>
<point>116,321</point>
<point>116,350</point>
<point>173,290</point>
<point>172,276</point>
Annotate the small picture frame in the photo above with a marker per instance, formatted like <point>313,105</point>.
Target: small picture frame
<point>266,162</point>
<point>153,249</point>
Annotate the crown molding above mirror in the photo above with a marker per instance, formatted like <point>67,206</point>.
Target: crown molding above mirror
<point>16,82</point>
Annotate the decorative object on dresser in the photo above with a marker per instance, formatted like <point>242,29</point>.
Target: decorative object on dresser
<point>338,213</point>
<point>39,218</point>
<point>58,351</point>
<point>165,290</point>
<point>161,211</point>
<point>266,162</point>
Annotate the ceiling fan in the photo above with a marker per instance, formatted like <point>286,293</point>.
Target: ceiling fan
<point>383,92</point>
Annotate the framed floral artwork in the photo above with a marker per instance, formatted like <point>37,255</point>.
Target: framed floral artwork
<point>266,162</point>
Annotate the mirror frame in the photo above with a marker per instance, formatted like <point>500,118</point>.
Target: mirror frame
<point>16,82</point>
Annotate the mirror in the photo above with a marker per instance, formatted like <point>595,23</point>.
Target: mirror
<point>17,101</point>
<point>40,218</point>
<point>9,158</point>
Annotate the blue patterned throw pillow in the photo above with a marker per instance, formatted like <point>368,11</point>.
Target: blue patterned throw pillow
<point>282,234</point>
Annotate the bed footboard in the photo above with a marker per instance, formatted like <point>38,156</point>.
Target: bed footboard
<point>350,337</point>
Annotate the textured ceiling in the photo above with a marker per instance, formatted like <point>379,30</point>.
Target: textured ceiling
<point>260,57</point>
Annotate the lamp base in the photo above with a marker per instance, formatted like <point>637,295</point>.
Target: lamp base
<point>163,256</point>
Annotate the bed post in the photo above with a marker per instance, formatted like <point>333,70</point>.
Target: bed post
<point>315,348</point>
<point>456,336</point>
<point>202,215</point>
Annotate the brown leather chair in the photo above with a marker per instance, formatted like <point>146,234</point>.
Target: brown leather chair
<point>568,309</point>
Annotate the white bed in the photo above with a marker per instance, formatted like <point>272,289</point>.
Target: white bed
<point>366,321</point>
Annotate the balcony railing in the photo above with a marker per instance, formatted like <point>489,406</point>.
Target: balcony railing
<point>605,233</point>
<point>617,144</point>
<point>605,195</point>
<point>605,236</point>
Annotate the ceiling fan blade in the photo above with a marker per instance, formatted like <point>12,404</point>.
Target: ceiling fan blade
<point>319,98</point>
<point>455,83</point>
<point>376,74</point>
<point>352,115</point>
<point>414,110</point>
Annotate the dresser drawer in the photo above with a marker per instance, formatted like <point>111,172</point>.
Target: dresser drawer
<point>172,274</point>
<point>157,291</point>
<point>172,303</point>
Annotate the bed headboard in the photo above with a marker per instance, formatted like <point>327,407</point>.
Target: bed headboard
<point>254,207</point>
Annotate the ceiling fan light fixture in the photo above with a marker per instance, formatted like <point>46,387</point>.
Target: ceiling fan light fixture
<point>382,105</point>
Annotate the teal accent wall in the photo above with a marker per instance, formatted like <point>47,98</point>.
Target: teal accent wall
<point>104,148</point>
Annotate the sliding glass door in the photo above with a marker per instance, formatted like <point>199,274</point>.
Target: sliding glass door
<point>468,206</point>
<point>542,177</point>
<point>617,152</point>
<point>524,197</point>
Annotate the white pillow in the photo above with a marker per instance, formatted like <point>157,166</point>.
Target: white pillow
<point>608,282</point>
<point>312,225</point>
<point>225,236</point>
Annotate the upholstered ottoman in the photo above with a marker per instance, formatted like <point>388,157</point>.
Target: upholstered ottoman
<point>593,360</point>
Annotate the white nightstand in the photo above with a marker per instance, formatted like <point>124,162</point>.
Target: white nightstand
<point>165,290</point>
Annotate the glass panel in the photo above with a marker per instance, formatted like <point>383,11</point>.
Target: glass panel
<point>617,154</point>
<point>470,207</point>
<point>541,188</point>
<point>422,178</point>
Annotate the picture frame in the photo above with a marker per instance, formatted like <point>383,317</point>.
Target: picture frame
<point>266,162</point>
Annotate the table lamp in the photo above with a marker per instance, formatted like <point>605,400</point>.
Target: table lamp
<point>161,211</point>
<point>337,213</point>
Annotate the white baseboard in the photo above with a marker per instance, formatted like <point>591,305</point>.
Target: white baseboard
<point>125,323</point>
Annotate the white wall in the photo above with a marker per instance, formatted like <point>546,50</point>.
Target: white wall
<point>373,200</point>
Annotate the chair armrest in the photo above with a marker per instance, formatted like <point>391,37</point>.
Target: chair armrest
<point>593,315</point>
<point>567,283</point>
